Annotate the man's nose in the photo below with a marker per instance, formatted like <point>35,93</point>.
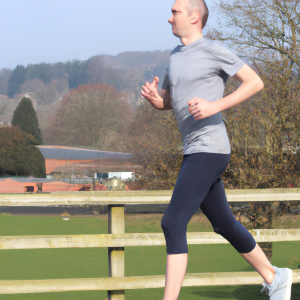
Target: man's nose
<point>170,20</point>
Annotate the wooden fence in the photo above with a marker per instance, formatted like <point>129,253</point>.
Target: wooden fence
<point>117,239</point>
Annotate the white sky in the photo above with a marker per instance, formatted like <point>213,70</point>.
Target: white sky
<point>34,31</point>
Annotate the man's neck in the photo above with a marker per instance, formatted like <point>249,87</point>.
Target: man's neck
<point>190,39</point>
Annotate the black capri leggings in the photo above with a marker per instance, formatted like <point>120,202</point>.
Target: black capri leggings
<point>199,184</point>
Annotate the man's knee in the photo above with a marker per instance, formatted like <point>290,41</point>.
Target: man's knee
<point>166,224</point>
<point>238,236</point>
<point>225,228</point>
<point>175,236</point>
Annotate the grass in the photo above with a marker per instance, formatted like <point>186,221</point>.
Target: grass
<point>92,262</point>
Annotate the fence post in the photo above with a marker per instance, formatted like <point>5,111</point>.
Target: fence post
<point>116,261</point>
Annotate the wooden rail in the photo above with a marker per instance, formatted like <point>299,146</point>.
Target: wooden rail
<point>137,197</point>
<point>130,282</point>
<point>135,239</point>
<point>117,239</point>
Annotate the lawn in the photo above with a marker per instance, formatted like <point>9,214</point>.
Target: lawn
<point>92,262</point>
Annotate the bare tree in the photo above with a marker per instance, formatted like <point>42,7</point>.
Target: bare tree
<point>264,130</point>
<point>156,143</point>
<point>95,116</point>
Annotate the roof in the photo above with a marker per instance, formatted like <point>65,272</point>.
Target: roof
<point>102,165</point>
<point>62,152</point>
<point>28,179</point>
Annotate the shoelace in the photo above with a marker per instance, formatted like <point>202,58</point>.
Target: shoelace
<point>265,288</point>
<point>264,284</point>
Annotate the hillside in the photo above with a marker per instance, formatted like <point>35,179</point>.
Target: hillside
<point>138,59</point>
<point>47,82</point>
<point>8,106</point>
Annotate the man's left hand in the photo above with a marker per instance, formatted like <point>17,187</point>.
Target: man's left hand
<point>201,108</point>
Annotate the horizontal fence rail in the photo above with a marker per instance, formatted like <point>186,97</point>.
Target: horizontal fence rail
<point>137,197</point>
<point>117,239</point>
<point>135,239</point>
<point>130,282</point>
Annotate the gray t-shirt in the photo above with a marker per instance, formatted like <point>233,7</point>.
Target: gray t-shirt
<point>200,69</point>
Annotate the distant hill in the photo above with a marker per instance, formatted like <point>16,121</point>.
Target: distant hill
<point>137,59</point>
<point>47,83</point>
<point>8,106</point>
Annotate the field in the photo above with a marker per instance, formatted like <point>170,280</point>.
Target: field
<point>80,263</point>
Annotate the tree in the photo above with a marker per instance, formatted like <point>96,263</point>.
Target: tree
<point>44,93</point>
<point>46,72</point>
<point>26,119</point>
<point>264,130</point>
<point>15,81</point>
<point>76,70</point>
<point>97,72</point>
<point>4,79</point>
<point>18,155</point>
<point>156,143</point>
<point>96,116</point>
<point>260,29</point>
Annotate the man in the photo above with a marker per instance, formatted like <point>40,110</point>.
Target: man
<point>198,71</point>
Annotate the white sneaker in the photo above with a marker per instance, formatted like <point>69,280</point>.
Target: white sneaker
<point>281,286</point>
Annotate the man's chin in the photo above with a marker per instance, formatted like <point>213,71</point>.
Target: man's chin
<point>176,34</point>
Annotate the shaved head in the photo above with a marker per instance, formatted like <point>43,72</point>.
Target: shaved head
<point>200,7</point>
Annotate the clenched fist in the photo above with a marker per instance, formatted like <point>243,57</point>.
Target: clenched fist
<point>200,108</point>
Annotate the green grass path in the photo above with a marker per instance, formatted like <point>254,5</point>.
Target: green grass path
<point>92,262</point>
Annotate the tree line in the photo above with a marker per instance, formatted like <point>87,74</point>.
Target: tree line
<point>46,82</point>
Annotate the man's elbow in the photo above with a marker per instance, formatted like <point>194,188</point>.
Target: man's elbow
<point>259,84</point>
<point>169,106</point>
<point>262,85</point>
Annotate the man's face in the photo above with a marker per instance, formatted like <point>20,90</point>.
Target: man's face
<point>180,19</point>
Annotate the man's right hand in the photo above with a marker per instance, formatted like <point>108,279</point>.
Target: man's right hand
<point>151,94</point>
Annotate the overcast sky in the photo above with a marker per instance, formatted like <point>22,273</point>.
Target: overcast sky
<point>34,31</point>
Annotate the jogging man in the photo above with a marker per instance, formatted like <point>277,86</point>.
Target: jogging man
<point>198,71</point>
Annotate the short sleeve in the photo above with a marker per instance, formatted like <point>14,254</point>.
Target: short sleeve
<point>226,60</point>
<point>166,82</point>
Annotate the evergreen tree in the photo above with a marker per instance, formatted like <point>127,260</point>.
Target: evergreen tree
<point>18,155</point>
<point>16,79</point>
<point>26,119</point>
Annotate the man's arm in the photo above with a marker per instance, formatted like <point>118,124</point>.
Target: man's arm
<point>169,106</point>
<point>161,99</point>
<point>251,84</point>
<point>166,96</point>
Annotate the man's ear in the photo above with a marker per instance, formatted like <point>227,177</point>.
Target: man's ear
<point>195,17</point>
